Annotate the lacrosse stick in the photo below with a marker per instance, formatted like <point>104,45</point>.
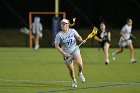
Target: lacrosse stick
<point>26,31</point>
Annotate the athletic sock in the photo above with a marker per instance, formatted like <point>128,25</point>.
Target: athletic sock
<point>80,73</point>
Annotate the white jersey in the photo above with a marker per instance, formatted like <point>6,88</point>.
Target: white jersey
<point>127,31</point>
<point>36,27</point>
<point>67,40</point>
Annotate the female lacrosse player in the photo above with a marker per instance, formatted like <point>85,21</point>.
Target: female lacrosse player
<point>65,43</point>
<point>104,37</point>
<point>37,31</point>
<point>125,40</point>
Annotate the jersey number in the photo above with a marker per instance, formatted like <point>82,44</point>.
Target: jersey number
<point>69,41</point>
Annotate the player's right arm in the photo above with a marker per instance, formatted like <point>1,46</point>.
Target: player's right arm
<point>123,35</point>
<point>57,42</point>
<point>122,32</point>
<point>61,51</point>
<point>97,38</point>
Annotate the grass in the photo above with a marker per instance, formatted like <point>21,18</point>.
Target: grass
<point>24,70</point>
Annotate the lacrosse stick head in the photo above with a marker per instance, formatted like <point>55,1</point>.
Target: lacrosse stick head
<point>93,33</point>
<point>24,30</point>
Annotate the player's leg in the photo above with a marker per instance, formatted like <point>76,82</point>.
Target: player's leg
<point>36,42</point>
<point>71,70</point>
<point>122,44</point>
<point>106,54</point>
<point>130,46</point>
<point>78,60</point>
<point>72,74</point>
<point>120,50</point>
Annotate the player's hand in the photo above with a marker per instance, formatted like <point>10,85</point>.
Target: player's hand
<point>100,40</point>
<point>40,34</point>
<point>84,41</point>
<point>68,59</point>
<point>66,54</point>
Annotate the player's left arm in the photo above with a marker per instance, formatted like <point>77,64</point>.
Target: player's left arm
<point>78,37</point>
<point>109,36</point>
<point>97,39</point>
<point>41,27</point>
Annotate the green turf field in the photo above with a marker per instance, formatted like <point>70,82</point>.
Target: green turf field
<point>24,70</point>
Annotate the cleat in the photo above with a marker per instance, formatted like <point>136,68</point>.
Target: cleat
<point>74,84</point>
<point>107,62</point>
<point>36,47</point>
<point>133,61</point>
<point>82,78</point>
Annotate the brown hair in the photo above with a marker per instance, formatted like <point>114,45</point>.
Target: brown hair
<point>128,20</point>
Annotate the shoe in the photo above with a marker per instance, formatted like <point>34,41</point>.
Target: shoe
<point>133,60</point>
<point>82,78</point>
<point>107,61</point>
<point>74,84</point>
<point>113,56</point>
<point>36,47</point>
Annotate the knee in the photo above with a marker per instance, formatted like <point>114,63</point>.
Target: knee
<point>79,62</point>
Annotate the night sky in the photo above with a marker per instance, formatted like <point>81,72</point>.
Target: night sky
<point>14,13</point>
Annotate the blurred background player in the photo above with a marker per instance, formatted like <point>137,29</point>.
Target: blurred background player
<point>65,43</point>
<point>104,37</point>
<point>125,40</point>
<point>37,31</point>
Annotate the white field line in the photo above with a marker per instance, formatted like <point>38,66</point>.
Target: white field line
<point>59,81</point>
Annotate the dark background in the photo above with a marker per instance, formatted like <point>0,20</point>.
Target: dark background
<point>14,13</point>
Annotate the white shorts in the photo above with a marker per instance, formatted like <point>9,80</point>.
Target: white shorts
<point>124,43</point>
<point>37,34</point>
<point>76,51</point>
